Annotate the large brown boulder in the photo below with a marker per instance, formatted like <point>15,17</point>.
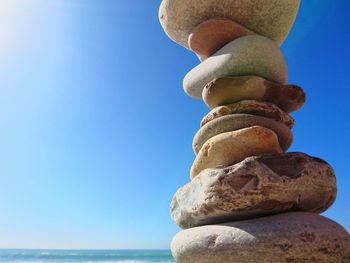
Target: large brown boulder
<point>257,186</point>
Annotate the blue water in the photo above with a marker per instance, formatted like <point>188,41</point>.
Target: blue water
<point>84,256</point>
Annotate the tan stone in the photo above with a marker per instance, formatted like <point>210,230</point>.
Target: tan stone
<point>264,109</point>
<point>292,237</point>
<point>229,90</point>
<point>257,186</point>
<point>251,55</point>
<point>272,19</point>
<point>232,147</point>
<point>211,35</point>
<point>235,122</point>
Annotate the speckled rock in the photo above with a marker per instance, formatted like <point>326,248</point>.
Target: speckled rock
<point>292,237</point>
<point>228,90</point>
<point>232,147</point>
<point>249,55</point>
<point>211,35</point>
<point>235,122</point>
<point>273,18</point>
<point>264,109</point>
<point>255,187</point>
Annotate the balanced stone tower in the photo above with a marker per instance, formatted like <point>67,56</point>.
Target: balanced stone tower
<point>248,200</point>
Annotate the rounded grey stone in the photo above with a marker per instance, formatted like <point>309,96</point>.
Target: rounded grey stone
<point>291,237</point>
<point>253,107</point>
<point>270,18</point>
<point>235,122</point>
<point>249,55</point>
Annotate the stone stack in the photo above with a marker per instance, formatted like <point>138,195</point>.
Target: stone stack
<point>248,200</point>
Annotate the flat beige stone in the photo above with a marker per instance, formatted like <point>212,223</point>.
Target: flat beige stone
<point>233,147</point>
<point>255,187</point>
<point>253,107</point>
<point>233,122</point>
<point>246,56</point>
<point>211,35</point>
<point>292,237</point>
<point>272,18</point>
<point>229,90</point>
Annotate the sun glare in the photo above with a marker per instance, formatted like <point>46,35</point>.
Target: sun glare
<point>12,13</point>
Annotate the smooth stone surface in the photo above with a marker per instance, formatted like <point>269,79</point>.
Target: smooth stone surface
<point>253,107</point>
<point>233,147</point>
<point>211,35</point>
<point>235,122</point>
<point>292,237</point>
<point>255,187</point>
<point>272,18</point>
<point>229,90</point>
<point>249,55</point>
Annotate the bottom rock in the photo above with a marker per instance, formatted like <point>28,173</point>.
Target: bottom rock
<point>291,237</point>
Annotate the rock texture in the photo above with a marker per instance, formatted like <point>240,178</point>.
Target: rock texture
<point>272,19</point>
<point>232,147</point>
<point>229,90</point>
<point>291,237</point>
<point>233,122</point>
<point>255,187</point>
<point>253,107</point>
<point>241,171</point>
<point>211,35</point>
<point>248,55</point>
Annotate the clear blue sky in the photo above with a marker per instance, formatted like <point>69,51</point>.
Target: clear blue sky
<point>96,130</point>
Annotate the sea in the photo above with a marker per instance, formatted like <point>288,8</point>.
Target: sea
<point>85,256</point>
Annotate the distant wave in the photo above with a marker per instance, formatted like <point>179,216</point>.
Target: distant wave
<point>115,261</point>
<point>85,256</point>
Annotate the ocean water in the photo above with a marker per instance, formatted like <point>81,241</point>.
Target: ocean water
<point>85,256</point>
